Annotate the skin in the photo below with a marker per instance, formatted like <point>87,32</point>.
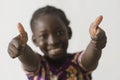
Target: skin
<point>93,51</point>
<point>18,48</point>
<point>51,36</point>
<point>23,34</point>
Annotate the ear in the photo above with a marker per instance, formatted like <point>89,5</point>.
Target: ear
<point>34,40</point>
<point>69,32</point>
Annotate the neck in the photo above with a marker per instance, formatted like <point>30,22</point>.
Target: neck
<point>56,62</point>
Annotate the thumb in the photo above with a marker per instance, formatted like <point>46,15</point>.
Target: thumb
<point>23,34</point>
<point>94,27</point>
<point>97,21</point>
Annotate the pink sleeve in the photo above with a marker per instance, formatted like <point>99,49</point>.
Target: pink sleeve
<point>79,60</point>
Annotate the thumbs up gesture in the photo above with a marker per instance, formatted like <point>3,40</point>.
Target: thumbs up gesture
<point>97,34</point>
<point>17,45</point>
<point>23,34</point>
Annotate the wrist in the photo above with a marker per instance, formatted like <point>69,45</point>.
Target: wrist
<point>22,48</point>
<point>95,44</point>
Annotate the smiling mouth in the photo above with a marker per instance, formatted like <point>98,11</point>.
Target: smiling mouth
<point>55,51</point>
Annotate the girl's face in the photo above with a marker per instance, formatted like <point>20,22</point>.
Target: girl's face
<point>51,36</point>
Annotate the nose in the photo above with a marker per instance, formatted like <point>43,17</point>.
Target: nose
<point>52,40</point>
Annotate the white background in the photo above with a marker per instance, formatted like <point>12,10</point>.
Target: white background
<point>81,13</point>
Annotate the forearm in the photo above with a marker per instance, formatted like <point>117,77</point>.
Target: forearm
<point>93,51</point>
<point>91,55</point>
<point>29,59</point>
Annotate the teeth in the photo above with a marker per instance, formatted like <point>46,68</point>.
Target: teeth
<point>53,51</point>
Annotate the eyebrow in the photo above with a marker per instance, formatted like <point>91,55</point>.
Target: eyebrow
<point>43,31</point>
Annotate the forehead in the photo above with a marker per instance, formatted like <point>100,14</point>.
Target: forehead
<point>49,22</point>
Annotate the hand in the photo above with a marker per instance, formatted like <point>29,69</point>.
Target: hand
<point>97,34</point>
<point>17,45</point>
<point>23,34</point>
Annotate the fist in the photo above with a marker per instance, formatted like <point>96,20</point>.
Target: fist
<point>17,45</point>
<point>97,34</point>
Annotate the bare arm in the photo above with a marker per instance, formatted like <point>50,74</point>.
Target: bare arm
<point>93,51</point>
<point>18,48</point>
<point>29,59</point>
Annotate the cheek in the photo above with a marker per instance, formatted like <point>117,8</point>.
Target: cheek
<point>42,46</point>
<point>66,36</point>
<point>64,40</point>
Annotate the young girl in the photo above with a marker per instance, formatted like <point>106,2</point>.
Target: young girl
<point>51,33</point>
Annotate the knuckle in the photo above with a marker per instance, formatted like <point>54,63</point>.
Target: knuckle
<point>11,54</point>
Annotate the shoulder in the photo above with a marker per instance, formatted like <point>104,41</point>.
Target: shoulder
<point>73,57</point>
<point>76,55</point>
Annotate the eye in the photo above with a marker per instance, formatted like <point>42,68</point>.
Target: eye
<point>60,33</point>
<point>43,36</point>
